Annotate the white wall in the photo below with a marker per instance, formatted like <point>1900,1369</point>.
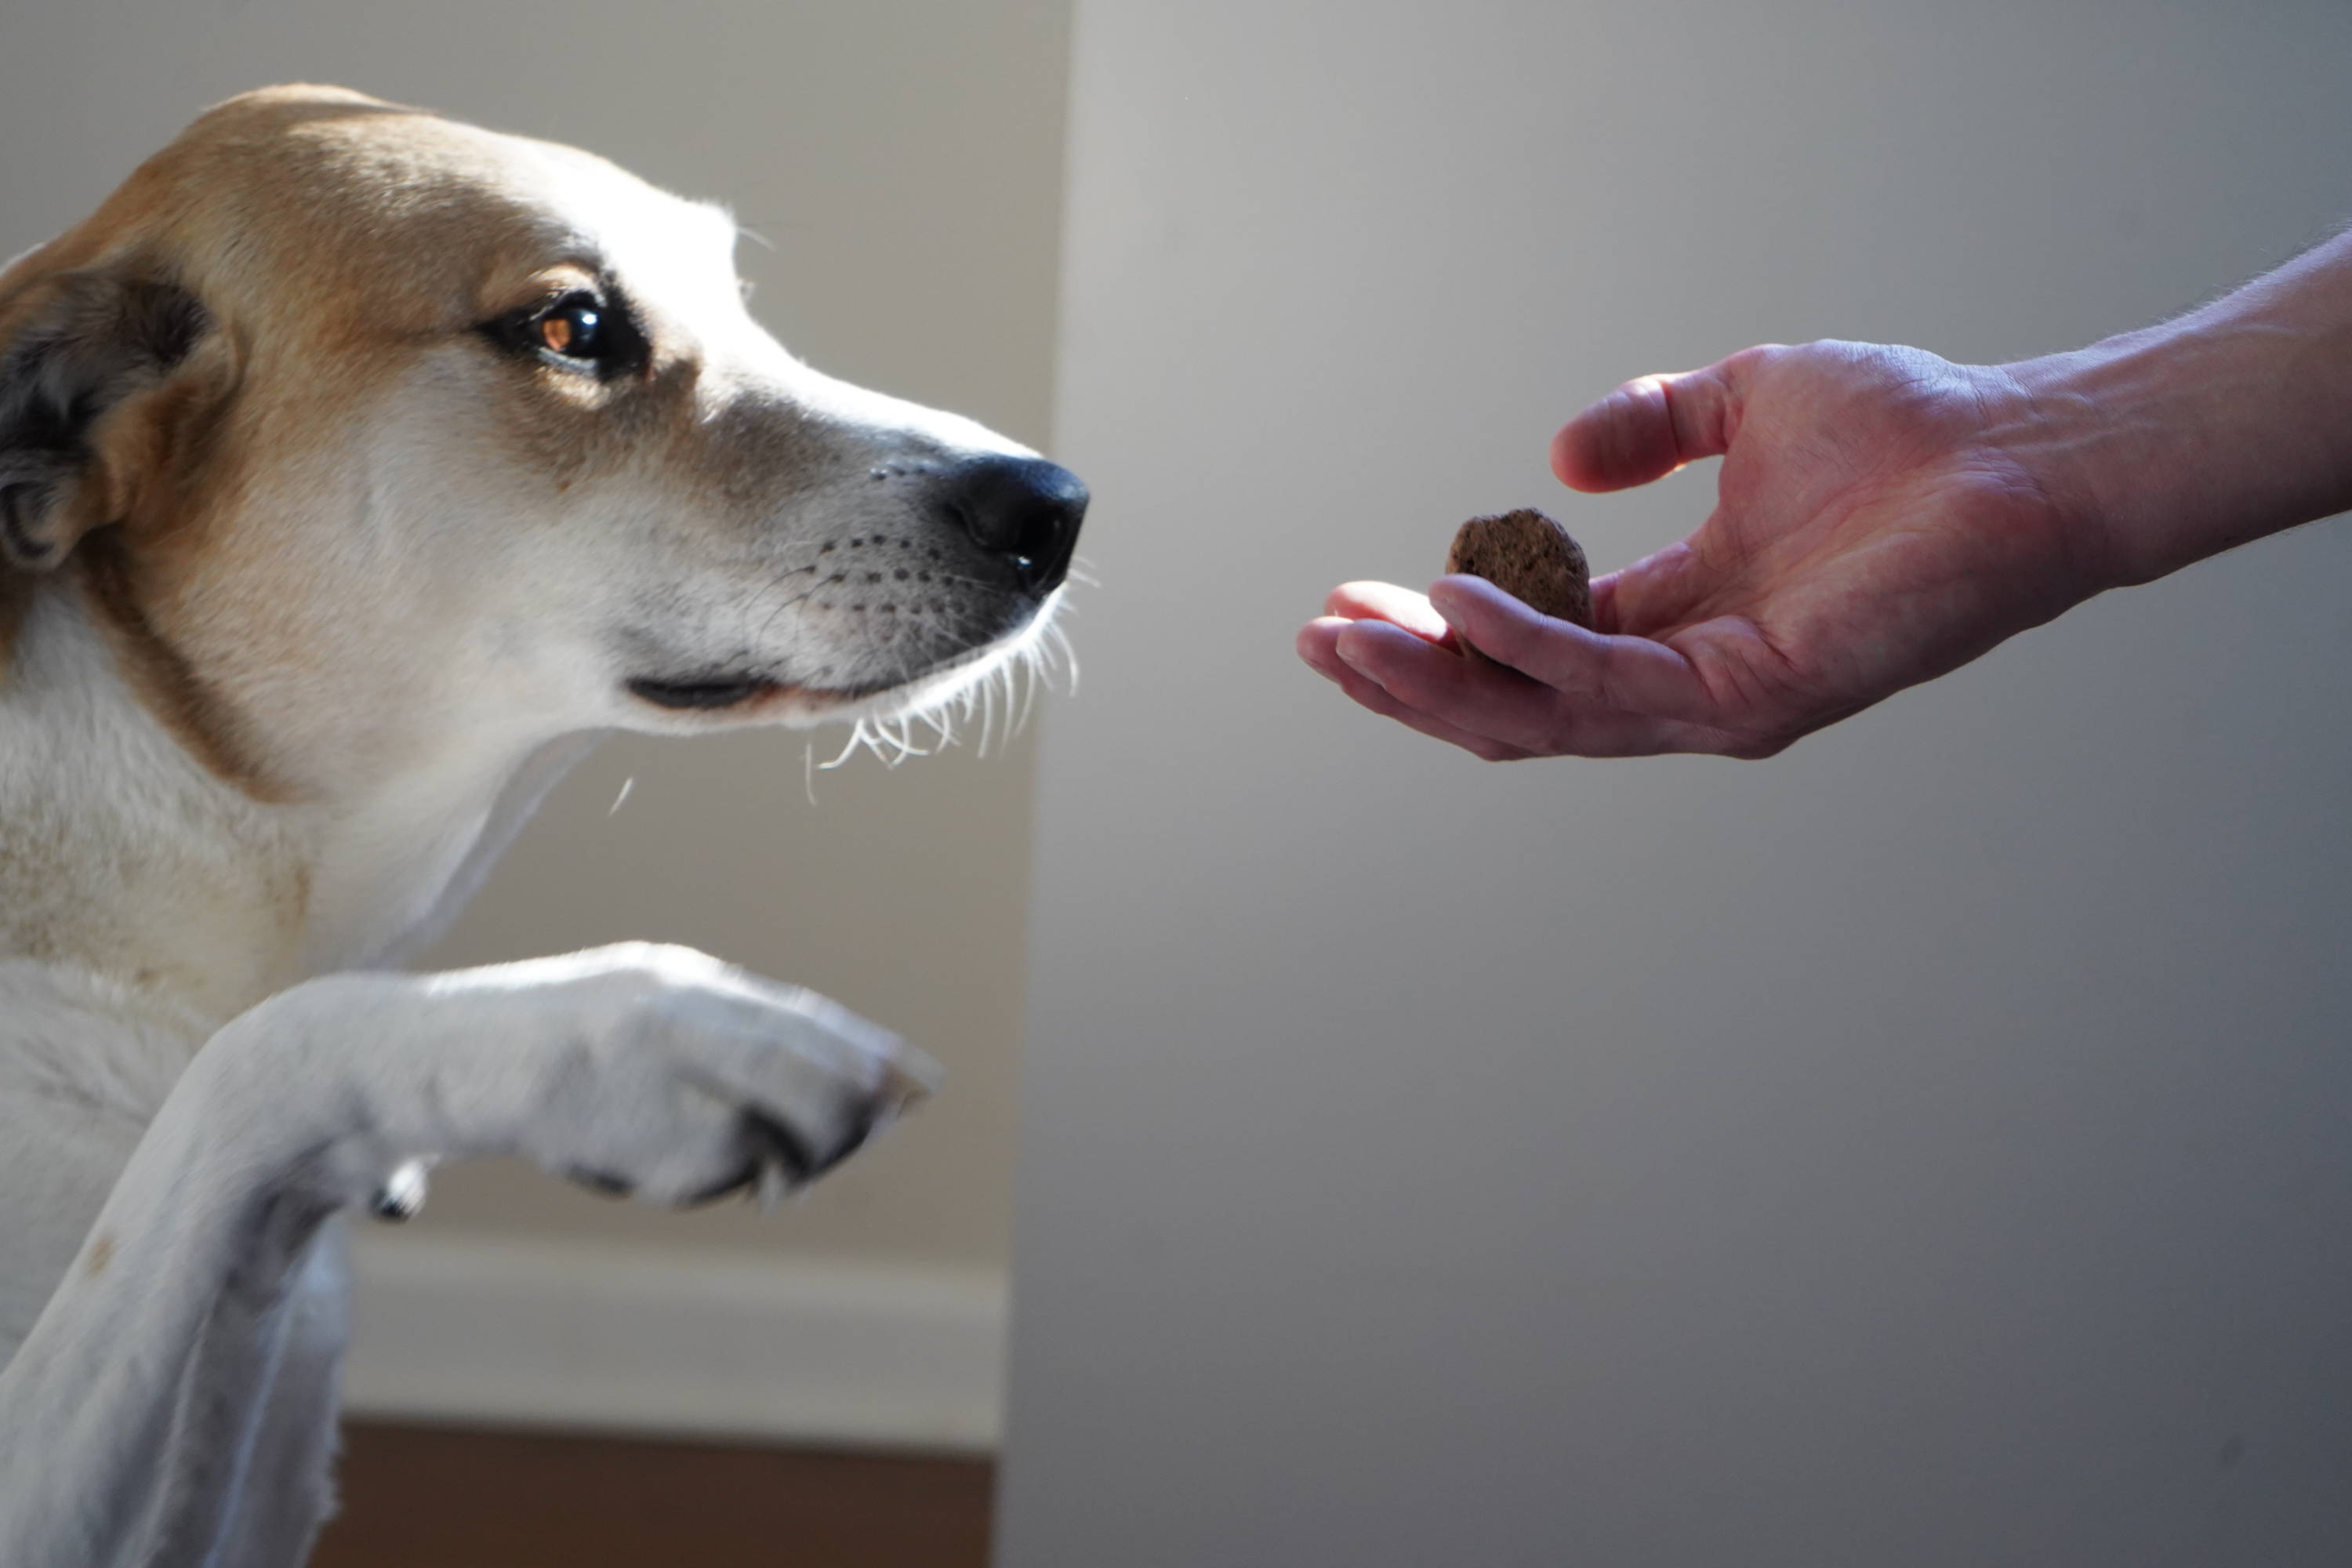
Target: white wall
<point>902,159</point>
<point>1932,1146</point>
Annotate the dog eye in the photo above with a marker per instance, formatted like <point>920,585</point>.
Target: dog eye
<point>581,330</point>
<point>572,328</point>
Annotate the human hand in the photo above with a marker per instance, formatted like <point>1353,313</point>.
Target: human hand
<point>1883,516</point>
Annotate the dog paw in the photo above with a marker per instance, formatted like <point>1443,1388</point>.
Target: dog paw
<point>677,1079</point>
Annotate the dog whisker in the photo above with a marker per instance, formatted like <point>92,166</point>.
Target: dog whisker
<point>688,538</point>
<point>1066,652</point>
<point>857,739</point>
<point>999,701</point>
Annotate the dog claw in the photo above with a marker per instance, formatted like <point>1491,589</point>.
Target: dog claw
<point>604,1183</point>
<point>781,1151</point>
<point>401,1197</point>
<point>860,1131</point>
<point>747,1178</point>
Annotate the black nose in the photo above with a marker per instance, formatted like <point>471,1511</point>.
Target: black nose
<point>1023,508</point>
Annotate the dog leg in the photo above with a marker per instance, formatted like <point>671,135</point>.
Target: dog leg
<point>132,1416</point>
<point>289,1487</point>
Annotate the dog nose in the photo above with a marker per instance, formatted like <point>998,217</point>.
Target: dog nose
<point>1025,508</point>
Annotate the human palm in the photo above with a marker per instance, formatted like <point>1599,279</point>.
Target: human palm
<point>1879,522</point>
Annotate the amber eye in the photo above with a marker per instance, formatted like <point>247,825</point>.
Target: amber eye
<point>583,332</point>
<point>573,328</point>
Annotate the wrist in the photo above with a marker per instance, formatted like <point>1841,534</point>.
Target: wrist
<point>2167,445</point>
<point>2099,430</point>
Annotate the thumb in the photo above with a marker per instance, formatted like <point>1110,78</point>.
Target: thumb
<point>1651,426</point>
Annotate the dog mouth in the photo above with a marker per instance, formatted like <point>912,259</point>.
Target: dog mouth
<point>723,687</point>
<point>918,679</point>
<point>724,692</point>
<point>706,694</point>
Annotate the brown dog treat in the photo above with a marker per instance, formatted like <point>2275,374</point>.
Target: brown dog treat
<point>1529,557</point>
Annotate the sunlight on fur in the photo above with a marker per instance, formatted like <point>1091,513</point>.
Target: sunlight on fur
<point>997,692</point>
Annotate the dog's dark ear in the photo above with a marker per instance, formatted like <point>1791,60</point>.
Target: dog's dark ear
<point>78,351</point>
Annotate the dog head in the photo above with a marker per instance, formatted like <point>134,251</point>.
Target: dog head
<point>351,422</point>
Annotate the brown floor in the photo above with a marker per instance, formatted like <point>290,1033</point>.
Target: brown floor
<point>420,1497</point>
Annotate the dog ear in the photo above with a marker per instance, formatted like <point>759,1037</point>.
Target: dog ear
<point>79,350</point>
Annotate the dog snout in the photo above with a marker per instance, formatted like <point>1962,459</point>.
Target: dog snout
<point>1023,508</point>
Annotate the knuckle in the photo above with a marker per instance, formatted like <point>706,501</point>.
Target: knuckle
<point>683,966</point>
<point>662,979</point>
<point>802,1005</point>
<point>658,958</point>
<point>1632,397</point>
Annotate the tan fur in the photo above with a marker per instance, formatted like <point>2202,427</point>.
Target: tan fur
<point>200,718</point>
<point>252,209</point>
<point>357,563</point>
<point>16,595</point>
<point>332,531</point>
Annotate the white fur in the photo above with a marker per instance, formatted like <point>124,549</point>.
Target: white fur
<point>191,1089</point>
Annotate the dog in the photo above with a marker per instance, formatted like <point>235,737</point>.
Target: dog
<point>357,468</point>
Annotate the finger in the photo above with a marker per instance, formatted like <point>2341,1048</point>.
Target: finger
<point>1501,706</point>
<point>1651,426</point>
<point>1318,641</point>
<point>1654,594</point>
<point>1628,674</point>
<point>1386,602</point>
<point>1368,693</point>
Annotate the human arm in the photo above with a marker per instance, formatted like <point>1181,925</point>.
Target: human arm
<point>1883,516</point>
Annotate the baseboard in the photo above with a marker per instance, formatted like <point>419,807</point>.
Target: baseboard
<point>619,1338</point>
